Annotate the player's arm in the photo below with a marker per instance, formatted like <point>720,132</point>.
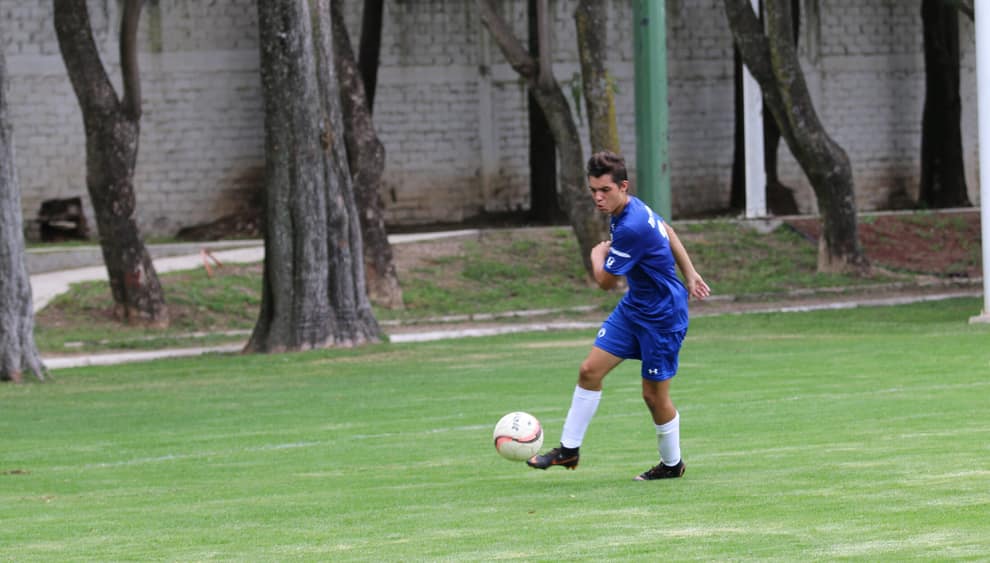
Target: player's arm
<point>696,286</point>
<point>599,254</point>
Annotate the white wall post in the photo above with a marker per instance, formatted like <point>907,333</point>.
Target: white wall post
<point>983,110</point>
<point>486,115</point>
<point>756,176</point>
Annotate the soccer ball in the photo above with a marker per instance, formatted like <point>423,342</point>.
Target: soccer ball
<point>518,436</point>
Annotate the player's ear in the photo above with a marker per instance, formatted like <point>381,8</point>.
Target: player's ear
<point>624,186</point>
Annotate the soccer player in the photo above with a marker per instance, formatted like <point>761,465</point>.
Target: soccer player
<point>648,324</point>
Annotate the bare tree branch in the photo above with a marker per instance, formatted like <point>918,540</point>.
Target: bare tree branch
<point>590,226</point>
<point>747,32</point>
<point>545,42</point>
<point>90,80</point>
<point>514,51</point>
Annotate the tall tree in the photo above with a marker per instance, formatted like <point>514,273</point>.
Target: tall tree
<point>943,176</point>
<point>18,353</point>
<point>112,127</point>
<point>780,198</point>
<point>591,19</point>
<point>590,226</point>
<point>366,161</point>
<point>773,61</point>
<point>313,288</point>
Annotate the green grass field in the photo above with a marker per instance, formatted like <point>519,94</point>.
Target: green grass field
<point>851,435</point>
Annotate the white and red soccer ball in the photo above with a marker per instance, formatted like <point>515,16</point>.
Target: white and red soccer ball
<point>518,436</point>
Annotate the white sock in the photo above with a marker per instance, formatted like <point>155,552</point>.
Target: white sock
<point>583,407</point>
<point>669,440</point>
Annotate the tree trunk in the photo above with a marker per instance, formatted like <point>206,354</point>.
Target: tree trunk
<point>591,18</point>
<point>112,130</point>
<point>590,226</point>
<point>943,178</point>
<point>313,289</point>
<point>772,59</point>
<point>370,47</point>
<point>18,353</point>
<point>366,161</point>
<point>780,198</point>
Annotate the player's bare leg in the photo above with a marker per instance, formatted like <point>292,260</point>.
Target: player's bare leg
<point>657,397</point>
<point>584,403</point>
<point>667,421</point>
<point>595,367</point>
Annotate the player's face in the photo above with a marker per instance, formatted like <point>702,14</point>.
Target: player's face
<point>609,196</point>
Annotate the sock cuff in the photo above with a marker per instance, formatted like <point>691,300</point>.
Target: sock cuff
<point>670,424</point>
<point>582,393</point>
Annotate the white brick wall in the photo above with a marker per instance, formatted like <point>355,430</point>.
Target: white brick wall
<point>202,133</point>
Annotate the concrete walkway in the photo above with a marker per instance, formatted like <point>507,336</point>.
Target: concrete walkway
<point>416,333</point>
<point>46,286</point>
<point>54,270</point>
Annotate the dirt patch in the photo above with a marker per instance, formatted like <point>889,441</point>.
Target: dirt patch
<point>243,224</point>
<point>940,244</point>
<point>423,254</point>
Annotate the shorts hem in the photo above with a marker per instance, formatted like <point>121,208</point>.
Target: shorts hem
<point>658,378</point>
<point>613,352</point>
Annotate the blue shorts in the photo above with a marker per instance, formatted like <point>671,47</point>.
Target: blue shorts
<point>657,350</point>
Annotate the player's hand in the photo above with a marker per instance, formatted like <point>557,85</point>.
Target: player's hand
<point>697,287</point>
<point>600,251</point>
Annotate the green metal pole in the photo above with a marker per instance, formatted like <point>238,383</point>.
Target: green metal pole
<point>650,57</point>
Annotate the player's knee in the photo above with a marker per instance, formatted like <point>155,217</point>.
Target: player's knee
<point>653,402</point>
<point>589,377</point>
<point>656,398</point>
<point>650,399</point>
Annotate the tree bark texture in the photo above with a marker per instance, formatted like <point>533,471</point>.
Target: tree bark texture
<point>590,226</point>
<point>18,353</point>
<point>112,128</point>
<point>591,19</point>
<point>366,161</point>
<point>780,198</point>
<point>313,289</point>
<point>943,179</point>
<point>772,59</point>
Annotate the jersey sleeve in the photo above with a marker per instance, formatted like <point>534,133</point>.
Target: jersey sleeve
<point>634,240</point>
<point>624,252</point>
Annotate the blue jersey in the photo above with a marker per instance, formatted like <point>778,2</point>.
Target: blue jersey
<point>641,252</point>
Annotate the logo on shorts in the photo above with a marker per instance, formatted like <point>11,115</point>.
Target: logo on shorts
<point>653,371</point>
<point>601,332</point>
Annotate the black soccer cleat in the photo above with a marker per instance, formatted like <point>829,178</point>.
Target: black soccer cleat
<point>661,471</point>
<point>566,457</point>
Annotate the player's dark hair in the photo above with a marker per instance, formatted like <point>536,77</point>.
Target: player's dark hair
<point>607,162</point>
